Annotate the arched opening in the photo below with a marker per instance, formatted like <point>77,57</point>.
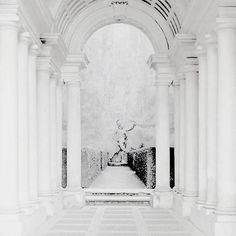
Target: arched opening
<point>117,105</point>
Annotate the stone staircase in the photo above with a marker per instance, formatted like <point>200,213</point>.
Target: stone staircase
<point>118,197</point>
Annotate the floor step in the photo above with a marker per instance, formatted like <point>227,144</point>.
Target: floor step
<point>118,198</point>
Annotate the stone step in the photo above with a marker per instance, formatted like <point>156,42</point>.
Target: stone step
<point>117,198</point>
<point>117,203</point>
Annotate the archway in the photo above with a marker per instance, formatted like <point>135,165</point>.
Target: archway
<point>118,89</point>
<point>79,27</point>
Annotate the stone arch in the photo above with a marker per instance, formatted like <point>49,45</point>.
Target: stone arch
<point>77,27</point>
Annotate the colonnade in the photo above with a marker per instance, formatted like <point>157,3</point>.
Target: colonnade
<point>205,128</point>
<point>32,77</point>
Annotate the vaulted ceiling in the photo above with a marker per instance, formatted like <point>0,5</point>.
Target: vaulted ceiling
<point>160,17</point>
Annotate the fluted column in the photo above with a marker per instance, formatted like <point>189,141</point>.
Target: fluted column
<point>33,125</point>
<point>182,133</point>
<point>59,133</point>
<point>177,133</point>
<point>9,108</point>
<point>202,106</point>
<point>212,80</point>
<point>23,134</point>
<point>44,140</point>
<point>226,137</point>
<point>191,136</point>
<point>53,131</point>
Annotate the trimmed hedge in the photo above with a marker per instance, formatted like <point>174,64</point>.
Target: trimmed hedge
<point>143,162</point>
<point>104,160</point>
<point>92,163</point>
<point>64,168</point>
<point>90,166</point>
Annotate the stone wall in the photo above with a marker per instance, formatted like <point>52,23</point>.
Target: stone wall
<point>92,163</point>
<point>143,162</point>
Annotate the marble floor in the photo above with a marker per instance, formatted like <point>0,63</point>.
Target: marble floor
<point>117,178</point>
<point>117,221</point>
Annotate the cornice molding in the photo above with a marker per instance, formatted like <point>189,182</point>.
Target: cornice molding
<point>165,72</point>
<point>73,68</point>
<point>9,12</point>
<point>54,46</point>
<point>183,47</point>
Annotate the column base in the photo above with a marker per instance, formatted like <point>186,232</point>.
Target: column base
<point>203,220</point>
<point>11,225</point>
<point>183,205</point>
<point>188,203</point>
<point>52,203</point>
<point>177,203</point>
<point>33,220</point>
<point>212,224</point>
<point>21,224</point>
<point>74,199</point>
<point>162,199</point>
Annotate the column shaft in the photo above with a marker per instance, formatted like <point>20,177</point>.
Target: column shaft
<point>8,118</point>
<point>212,63</point>
<point>202,189</point>
<point>226,161</point>
<point>182,136</point>
<point>23,134</point>
<point>44,164</point>
<point>33,126</point>
<point>59,133</point>
<point>177,134</point>
<point>191,134</point>
<point>53,132</point>
<point>162,138</point>
<point>73,137</point>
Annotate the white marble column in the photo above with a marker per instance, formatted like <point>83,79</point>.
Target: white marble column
<point>182,132</point>
<point>191,136</point>
<point>33,125</point>
<point>44,140</point>
<point>177,133</point>
<point>73,135</point>
<point>202,106</point>
<point>53,131</point>
<point>9,113</point>
<point>226,137</point>
<point>23,134</point>
<point>162,136</point>
<point>71,74</point>
<point>59,132</point>
<point>164,76</point>
<point>212,84</point>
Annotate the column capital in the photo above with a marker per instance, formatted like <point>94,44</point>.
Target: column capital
<point>34,50</point>
<point>176,83</point>
<point>200,50</point>
<point>54,46</point>
<point>55,76</point>
<point>72,69</point>
<point>9,14</point>
<point>226,23</point>
<point>180,76</point>
<point>44,63</point>
<point>191,65</point>
<point>211,38</point>
<point>155,61</point>
<point>164,70</point>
